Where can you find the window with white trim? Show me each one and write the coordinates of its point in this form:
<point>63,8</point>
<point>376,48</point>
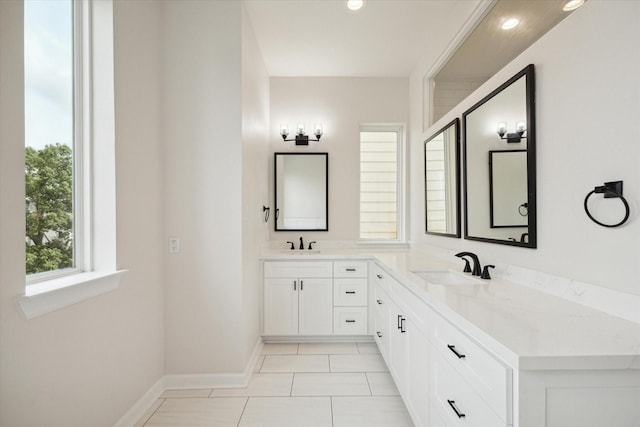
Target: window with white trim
<point>55,196</point>
<point>381,183</point>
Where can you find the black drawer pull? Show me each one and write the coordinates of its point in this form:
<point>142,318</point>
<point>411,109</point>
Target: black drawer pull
<point>402,329</point>
<point>452,403</point>
<point>350,269</point>
<point>350,321</point>
<point>379,334</point>
<point>379,276</point>
<point>379,301</point>
<point>453,348</point>
<point>350,292</point>
<point>399,320</point>
<point>294,284</point>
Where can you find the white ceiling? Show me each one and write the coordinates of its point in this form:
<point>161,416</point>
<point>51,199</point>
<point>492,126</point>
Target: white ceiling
<point>387,38</point>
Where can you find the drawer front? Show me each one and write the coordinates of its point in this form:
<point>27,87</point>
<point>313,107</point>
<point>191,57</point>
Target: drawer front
<point>298,269</point>
<point>350,292</point>
<point>453,401</point>
<point>350,269</point>
<point>486,375</point>
<point>350,320</point>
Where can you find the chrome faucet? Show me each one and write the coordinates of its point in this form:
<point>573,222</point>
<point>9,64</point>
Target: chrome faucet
<point>301,244</point>
<point>477,268</point>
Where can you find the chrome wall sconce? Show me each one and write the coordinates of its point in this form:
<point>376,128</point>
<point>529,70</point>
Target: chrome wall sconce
<point>516,136</point>
<point>301,137</point>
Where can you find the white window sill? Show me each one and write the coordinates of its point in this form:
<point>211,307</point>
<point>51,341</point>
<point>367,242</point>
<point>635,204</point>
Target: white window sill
<point>51,295</point>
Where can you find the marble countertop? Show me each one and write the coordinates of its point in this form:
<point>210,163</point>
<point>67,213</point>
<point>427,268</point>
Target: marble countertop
<point>526,328</point>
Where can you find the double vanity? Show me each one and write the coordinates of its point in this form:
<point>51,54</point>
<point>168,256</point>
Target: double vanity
<point>461,350</point>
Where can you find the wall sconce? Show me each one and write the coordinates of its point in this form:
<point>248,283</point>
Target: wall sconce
<point>301,138</point>
<point>512,137</point>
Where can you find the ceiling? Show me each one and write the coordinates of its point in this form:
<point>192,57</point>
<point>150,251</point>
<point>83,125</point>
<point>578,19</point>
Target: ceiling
<point>389,38</point>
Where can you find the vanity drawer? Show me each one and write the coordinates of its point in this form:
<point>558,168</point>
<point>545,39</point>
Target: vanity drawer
<point>298,269</point>
<point>349,292</point>
<point>350,320</point>
<point>486,375</point>
<point>453,401</point>
<point>350,269</point>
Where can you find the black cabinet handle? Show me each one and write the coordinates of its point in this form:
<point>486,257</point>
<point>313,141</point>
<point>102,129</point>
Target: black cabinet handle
<point>379,334</point>
<point>453,349</point>
<point>402,329</point>
<point>295,283</point>
<point>301,285</point>
<point>350,321</point>
<point>379,301</point>
<point>350,269</point>
<point>350,292</point>
<point>452,403</point>
<point>399,320</point>
<point>379,276</point>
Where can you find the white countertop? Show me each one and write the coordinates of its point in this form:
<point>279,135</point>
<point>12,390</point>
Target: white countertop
<point>526,328</point>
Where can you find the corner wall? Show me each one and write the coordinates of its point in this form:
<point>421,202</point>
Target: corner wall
<point>588,104</point>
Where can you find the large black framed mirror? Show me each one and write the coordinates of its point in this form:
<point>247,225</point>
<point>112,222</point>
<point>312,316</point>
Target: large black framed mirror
<point>442,181</point>
<point>301,189</point>
<point>500,164</point>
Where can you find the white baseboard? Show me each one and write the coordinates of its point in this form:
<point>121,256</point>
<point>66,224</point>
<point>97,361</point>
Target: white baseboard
<point>193,381</point>
<point>136,412</point>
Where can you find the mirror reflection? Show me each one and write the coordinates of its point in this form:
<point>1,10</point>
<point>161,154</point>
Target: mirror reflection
<point>301,190</point>
<point>499,164</point>
<point>442,181</point>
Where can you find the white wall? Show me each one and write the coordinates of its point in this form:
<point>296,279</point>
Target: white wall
<point>588,104</point>
<point>86,364</point>
<point>255,172</point>
<point>341,104</point>
<point>208,193</point>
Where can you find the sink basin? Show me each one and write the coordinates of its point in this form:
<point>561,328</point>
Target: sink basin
<point>301,252</point>
<point>447,277</point>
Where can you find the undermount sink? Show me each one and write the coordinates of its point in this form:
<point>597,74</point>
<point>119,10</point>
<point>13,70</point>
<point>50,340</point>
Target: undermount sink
<point>447,277</point>
<point>301,252</point>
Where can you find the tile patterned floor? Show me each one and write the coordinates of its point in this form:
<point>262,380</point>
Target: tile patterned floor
<point>297,385</point>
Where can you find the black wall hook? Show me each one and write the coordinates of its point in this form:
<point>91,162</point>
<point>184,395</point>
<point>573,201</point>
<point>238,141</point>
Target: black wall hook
<point>610,190</point>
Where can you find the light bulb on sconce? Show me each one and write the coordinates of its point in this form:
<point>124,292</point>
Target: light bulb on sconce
<point>301,138</point>
<point>516,136</point>
<point>284,131</point>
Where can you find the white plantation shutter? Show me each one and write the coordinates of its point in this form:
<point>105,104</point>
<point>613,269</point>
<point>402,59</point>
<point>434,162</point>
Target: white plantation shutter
<point>379,154</point>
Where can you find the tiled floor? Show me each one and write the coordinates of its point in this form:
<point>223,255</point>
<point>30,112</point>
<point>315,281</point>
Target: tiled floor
<point>297,385</point>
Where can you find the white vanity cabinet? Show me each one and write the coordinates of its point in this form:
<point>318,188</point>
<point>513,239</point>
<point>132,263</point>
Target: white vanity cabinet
<point>350,301</point>
<point>402,338</point>
<point>298,298</point>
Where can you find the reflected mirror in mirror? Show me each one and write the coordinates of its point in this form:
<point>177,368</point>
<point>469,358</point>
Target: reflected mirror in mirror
<point>508,191</point>
<point>442,181</point>
<point>301,191</point>
<point>499,164</point>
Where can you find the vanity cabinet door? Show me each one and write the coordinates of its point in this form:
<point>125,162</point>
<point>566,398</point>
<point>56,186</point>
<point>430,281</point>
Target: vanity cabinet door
<point>315,315</point>
<point>417,401</point>
<point>281,306</point>
<point>398,347</point>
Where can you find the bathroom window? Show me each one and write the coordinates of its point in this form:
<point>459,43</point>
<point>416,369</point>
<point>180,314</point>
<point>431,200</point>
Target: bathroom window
<point>381,183</point>
<point>53,138</point>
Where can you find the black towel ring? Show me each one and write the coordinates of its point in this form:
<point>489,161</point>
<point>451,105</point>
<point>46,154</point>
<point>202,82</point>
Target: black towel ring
<point>266,211</point>
<point>610,190</point>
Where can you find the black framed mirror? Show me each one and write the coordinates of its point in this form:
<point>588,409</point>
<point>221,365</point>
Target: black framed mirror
<point>442,181</point>
<point>500,166</point>
<point>301,190</point>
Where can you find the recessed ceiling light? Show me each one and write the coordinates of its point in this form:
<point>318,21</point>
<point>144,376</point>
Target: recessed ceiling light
<point>355,4</point>
<point>572,5</point>
<point>510,23</point>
